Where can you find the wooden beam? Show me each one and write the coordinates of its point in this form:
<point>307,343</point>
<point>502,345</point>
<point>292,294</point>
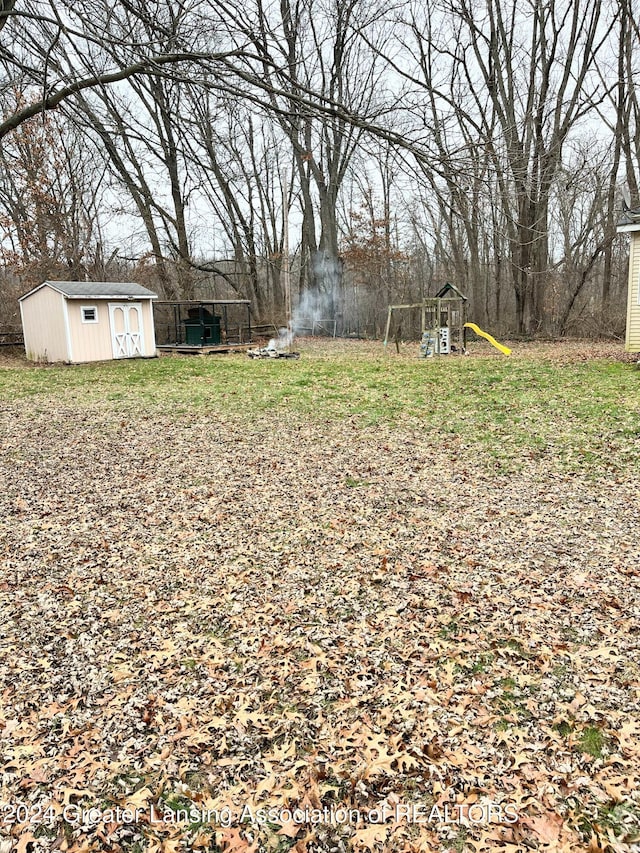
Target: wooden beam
<point>386,333</point>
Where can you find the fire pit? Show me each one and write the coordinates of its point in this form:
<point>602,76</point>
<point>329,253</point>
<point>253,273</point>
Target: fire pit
<point>271,352</point>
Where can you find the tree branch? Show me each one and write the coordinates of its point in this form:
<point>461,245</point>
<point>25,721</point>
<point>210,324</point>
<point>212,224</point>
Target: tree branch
<point>144,66</point>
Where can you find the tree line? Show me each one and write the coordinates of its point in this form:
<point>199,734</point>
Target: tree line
<point>489,144</point>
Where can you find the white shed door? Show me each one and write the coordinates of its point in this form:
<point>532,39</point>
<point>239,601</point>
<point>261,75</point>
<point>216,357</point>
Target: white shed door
<point>126,329</point>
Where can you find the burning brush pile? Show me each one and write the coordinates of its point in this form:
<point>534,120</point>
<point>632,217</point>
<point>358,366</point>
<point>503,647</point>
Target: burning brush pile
<point>279,347</point>
<point>314,305</point>
<point>271,352</point>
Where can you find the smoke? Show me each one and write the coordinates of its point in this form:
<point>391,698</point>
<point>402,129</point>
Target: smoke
<point>283,341</point>
<point>316,304</point>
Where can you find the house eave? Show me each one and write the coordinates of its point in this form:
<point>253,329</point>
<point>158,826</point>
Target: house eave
<point>35,290</point>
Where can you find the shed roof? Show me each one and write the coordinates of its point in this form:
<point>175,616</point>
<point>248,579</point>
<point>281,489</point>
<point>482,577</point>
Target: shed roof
<point>96,290</point>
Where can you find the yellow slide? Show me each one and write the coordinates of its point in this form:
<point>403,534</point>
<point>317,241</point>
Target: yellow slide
<point>490,338</point>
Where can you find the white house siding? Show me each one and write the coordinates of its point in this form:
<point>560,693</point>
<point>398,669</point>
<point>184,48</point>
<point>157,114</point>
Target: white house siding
<point>633,304</point>
<point>43,322</point>
<point>90,341</point>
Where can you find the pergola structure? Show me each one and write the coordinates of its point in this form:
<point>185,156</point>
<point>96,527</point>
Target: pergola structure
<point>203,326</point>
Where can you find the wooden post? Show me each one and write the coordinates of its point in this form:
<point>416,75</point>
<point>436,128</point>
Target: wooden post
<point>397,337</point>
<point>386,334</point>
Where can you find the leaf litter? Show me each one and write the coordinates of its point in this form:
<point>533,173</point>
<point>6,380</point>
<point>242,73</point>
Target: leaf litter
<point>205,614</point>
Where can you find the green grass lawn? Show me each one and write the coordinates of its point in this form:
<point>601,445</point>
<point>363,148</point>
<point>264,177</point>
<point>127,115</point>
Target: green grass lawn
<point>582,414</point>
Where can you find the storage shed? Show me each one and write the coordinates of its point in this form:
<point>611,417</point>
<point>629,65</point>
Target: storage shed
<point>630,223</point>
<point>79,321</point>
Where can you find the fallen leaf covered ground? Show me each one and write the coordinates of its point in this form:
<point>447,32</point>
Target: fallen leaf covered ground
<point>331,622</point>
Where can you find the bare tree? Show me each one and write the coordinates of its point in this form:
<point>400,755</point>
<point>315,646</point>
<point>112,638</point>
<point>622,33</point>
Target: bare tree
<point>51,192</point>
<point>211,101</point>
<point>140,129</point>
<point>240,159</point>
<point>506,86</point>
<point>65,47</point>
<point>319,75</point>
